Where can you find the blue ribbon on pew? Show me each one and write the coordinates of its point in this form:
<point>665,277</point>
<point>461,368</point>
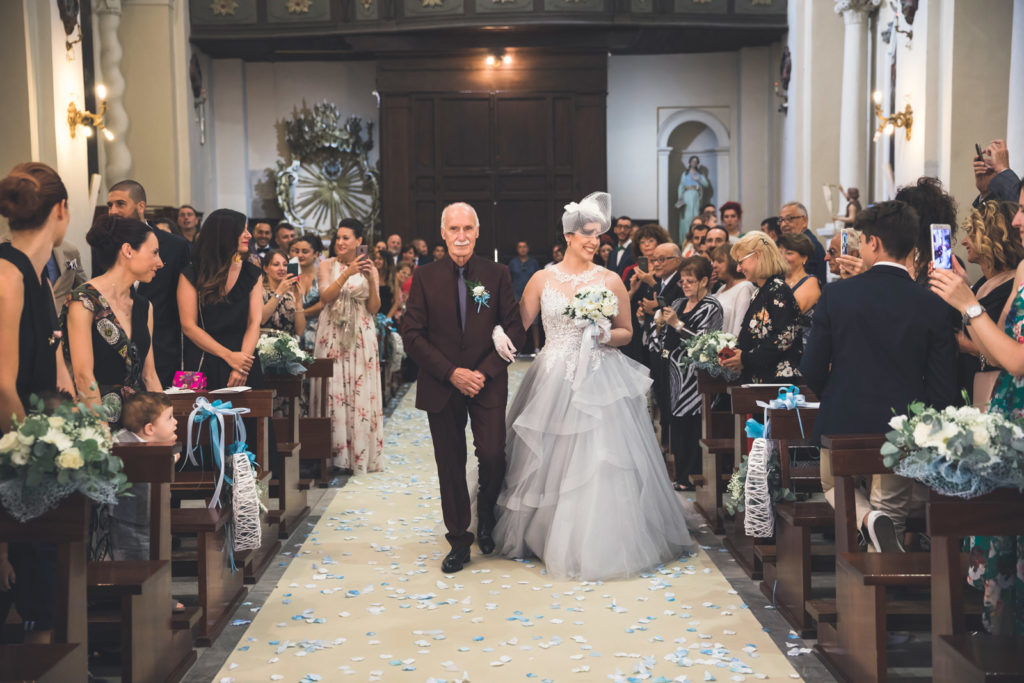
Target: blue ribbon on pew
<point>205,411</point>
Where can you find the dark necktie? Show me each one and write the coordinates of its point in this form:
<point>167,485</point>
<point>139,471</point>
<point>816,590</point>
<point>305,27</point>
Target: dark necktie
<point>52,270</point>
<point>462,297</point>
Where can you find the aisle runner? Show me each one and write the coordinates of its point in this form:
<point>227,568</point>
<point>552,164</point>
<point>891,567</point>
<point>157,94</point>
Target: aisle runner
<point>365,600</point>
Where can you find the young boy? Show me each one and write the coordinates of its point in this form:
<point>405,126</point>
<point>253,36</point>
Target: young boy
<point>147,417</point>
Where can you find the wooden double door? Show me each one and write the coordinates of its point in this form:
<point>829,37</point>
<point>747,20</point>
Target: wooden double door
<point>517,156</point>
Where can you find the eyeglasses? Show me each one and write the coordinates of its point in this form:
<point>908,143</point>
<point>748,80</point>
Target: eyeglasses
<point>790,219</point>
<point>832,252</point>
<point>743,258</point>
<point>662,259</point>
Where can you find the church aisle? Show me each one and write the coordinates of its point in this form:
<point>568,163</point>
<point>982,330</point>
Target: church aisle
<point>365,600</point>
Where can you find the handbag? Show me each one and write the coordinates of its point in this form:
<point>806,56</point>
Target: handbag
<point>185,379</point>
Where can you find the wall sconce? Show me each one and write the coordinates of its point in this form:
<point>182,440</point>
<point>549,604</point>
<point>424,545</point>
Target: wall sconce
<point>889,124</point>
<point>82,117</point>
<point>501,57</point>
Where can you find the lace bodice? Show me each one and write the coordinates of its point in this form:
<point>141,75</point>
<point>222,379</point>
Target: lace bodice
<point>562,336</point>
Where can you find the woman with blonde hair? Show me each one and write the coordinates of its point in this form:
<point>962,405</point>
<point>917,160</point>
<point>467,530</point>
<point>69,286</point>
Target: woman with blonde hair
<point>770,343</point>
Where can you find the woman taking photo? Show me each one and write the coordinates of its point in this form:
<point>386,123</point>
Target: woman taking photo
<point>403,283</point>
<point>735,292</point>
<point>306,248</point>
<point>684,319</point>
<point>220,300</point>
<point>347,334</point>
<point>281,308</point>
<point>770,343</point>
<point>108,326</point>
<point>35,202</point>
<point>796,250</point>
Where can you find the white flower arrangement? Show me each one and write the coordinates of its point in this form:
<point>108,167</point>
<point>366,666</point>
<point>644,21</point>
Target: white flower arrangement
<point>593,304</point>
<point>960,452</point>
<point>703,352</point>
<point>280,352</point>
<point>45,458</point>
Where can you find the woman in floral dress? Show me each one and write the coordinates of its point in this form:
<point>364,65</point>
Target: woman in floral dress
<point>346,332</point>
<point>996,562</point>
<point>770,341</point>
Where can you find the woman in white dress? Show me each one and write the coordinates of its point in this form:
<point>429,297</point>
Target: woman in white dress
<point>586,488</point>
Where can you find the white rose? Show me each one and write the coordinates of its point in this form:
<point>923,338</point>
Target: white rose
<point>608,308</point>
<point>90,433</point>
<point>56,422</point>
<point>71,459</point>
<point>479,290</point>
<point>981,437</point>
<point>58,439</point>
<point>20,457</point>
<point>898,422</point>
<point>10,442</point>
<point>25,439</point>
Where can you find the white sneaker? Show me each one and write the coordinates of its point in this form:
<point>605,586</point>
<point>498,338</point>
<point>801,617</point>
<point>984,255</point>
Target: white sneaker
<point>882,532</point>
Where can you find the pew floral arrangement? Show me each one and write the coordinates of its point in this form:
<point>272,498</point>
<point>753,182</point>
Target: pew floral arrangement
<point>735,494</point>
<point>45,458</point>
<point>280,353</point>
<point>389,342</point>
<point>960,452</point>
<point>705,352</point>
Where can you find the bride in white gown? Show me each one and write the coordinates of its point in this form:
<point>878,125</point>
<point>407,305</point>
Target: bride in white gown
<point>586,489</point>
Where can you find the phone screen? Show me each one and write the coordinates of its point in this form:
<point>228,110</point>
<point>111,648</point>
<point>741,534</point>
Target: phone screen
<point>981,155</point>
<point>942,248</point>
<point>661,302</point>
<point>293,268</point>
<point>844,243</point>
<point>643,264</point>
<point>362,250</point>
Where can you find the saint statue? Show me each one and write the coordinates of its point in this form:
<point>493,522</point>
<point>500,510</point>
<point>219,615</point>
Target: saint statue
<point>693,185</point>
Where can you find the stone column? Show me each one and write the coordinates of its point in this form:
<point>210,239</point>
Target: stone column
<point>855,102</point>
<point>1015,108</point>
<point>118,158</point>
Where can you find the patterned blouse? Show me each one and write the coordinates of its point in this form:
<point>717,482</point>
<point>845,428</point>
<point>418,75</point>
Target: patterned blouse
<point>706,316</point>
<point>283,317</point>
<point>770,338</point>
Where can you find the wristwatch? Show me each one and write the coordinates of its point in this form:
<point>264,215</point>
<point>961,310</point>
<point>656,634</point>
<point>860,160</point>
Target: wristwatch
<point>972,312</point>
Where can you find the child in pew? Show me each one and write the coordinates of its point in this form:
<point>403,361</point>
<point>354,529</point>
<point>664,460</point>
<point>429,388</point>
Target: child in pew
<point>147,417</point>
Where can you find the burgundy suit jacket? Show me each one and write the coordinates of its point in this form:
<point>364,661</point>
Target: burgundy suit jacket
<point>434,339</point>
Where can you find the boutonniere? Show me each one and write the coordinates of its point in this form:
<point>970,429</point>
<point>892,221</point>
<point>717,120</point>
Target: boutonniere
<point>72,264</point>
<point>480,294</point>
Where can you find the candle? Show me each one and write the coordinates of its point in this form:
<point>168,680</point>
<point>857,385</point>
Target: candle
<point>495,254</point>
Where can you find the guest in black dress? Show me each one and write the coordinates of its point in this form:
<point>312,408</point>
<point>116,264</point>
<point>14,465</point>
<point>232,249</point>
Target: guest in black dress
<point>108,325</point>
<point>770,343</point>
<point>220,301</point>
<point>34,200</point>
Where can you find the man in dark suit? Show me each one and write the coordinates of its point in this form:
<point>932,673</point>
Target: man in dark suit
<point>622,254</point>
<point>128,200</point>
<point>878,343</point>
<point>665,267</point>
<point>793,220</point>
<point>447,332</point>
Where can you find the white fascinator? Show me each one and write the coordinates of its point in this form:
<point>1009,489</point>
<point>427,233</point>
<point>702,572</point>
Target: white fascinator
<point>591,216</point>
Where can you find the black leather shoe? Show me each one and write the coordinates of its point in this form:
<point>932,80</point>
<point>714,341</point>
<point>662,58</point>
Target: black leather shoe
<point>454,560</point>
<point>485,539</point>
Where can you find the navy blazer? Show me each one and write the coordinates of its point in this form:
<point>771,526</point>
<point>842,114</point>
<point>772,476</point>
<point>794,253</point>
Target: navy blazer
<point>878,342</point>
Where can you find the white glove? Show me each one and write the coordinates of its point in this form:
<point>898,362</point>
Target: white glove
<point>502,344</point>
<point>604,331</point>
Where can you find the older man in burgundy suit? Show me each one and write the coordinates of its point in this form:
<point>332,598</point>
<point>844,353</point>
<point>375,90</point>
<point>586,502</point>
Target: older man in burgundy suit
<point>454,305</point>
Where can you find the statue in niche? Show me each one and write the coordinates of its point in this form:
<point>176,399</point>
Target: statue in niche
<point>694,186</point>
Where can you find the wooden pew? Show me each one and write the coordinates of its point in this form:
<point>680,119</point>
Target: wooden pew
<point>66,659</point>
<point>141,590</point>
<point>200,484</point>
<point>316,428</point>
<point>717,451</point>
<point>959,656</point>
<point>286,485</point>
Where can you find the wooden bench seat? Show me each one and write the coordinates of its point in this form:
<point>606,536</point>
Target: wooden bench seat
<point>125,577</point>
<point>316,429</point>
<point>978,658</point>
<point>797,558</point>
<point>291,497</point>
<point>716,451</point>
<point>57,663</point>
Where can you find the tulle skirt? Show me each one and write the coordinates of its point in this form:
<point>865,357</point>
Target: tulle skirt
<point>586,488</point>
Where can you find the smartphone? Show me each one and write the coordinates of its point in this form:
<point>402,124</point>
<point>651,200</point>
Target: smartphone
<point>942,248</point>
<point>643,264</point>
<point>661,302</point>
<point>981,155</point>
<point>362,250</point>
<point>293,268</point>
<point>844,243</point>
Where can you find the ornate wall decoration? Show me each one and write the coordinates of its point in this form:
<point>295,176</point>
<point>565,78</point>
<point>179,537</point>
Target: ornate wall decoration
<point>298,6</point>
<point>432,3</point>
<point>223,8</point>
<point>329,176</point>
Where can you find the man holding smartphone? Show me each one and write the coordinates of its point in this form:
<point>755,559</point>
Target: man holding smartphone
<point>992,174</point>
<point>878,342</point>
<point>664,266</point>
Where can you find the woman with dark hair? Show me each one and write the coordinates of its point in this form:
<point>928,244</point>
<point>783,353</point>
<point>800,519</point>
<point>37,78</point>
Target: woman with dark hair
<point>933,205</point>
<point>35,202</point>
<point>796,249</point>
<point>735,293</point>
<point>107,324</point>
<point>220,300</point>
<point>306,248</point>
<point>347,334</point>
<point>698,312</point>
<point>282,311</point>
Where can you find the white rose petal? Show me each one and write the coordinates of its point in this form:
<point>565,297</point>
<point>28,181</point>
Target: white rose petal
<point>898,422</point>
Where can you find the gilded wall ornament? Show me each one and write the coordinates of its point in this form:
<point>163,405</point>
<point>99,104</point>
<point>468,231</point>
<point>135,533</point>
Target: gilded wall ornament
<point>223,8</point>
<point>298,6</point>
<point>367,4</point>
<point>329,176</point>
<point>432,3</point>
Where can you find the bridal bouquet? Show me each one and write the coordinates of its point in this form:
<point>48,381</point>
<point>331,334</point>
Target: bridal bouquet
<point>960,452</point>
<point>593,306</point>
<point>280,352</point>
<point>45,458</point>
<point>705,352</point>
